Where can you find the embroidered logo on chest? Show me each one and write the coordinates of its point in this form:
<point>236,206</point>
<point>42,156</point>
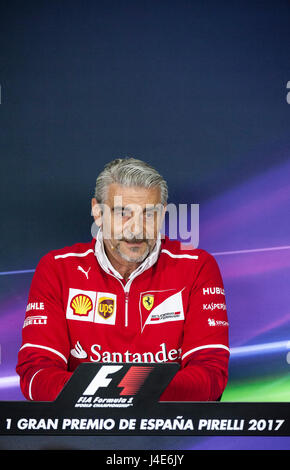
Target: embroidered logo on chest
<point>90,306</point>
<point>148,301</point>
<point>163,306</point>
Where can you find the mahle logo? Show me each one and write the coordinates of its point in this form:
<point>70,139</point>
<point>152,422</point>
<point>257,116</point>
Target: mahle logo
<point>121,396</point>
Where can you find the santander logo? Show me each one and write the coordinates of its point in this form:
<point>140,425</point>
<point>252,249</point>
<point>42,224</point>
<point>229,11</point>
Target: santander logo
<point>98,355</point>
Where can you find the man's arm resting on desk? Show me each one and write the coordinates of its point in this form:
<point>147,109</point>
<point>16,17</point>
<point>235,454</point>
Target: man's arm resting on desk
<point>203,378</point>
<point>44,379</point>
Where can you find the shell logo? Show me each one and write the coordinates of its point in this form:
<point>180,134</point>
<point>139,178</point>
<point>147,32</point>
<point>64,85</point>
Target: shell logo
<point>81,304</point>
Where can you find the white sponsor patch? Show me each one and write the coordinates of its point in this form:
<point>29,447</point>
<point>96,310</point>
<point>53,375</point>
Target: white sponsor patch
<point>81,305</point>
<point>90,306</point>
<point>171,309</point>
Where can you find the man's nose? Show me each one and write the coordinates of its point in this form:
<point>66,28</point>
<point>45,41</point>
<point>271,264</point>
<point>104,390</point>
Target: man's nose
<point>136,226</point>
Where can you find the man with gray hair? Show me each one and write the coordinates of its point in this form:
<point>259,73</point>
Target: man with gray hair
<point>129,295</point>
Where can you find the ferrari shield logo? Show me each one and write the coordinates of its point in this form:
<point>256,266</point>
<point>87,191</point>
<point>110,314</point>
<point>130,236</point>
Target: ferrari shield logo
<point>148,301</point>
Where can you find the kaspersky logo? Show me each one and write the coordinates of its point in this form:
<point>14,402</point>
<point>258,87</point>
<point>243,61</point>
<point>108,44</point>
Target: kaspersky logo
<point>121,394</point>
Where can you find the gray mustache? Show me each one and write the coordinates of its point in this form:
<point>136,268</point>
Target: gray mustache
<point>134,240</point>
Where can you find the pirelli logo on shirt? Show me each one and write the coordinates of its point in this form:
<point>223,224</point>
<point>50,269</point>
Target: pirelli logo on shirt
<point>90,306</point>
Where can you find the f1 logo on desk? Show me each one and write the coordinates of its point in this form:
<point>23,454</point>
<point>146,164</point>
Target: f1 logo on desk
<point>122,395</point>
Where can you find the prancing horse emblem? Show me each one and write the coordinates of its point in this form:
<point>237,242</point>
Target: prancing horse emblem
<point>148,301</point>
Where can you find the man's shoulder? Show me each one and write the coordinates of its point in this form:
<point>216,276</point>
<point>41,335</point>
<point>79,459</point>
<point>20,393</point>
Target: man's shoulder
<point>77,250</point>
<point>178,250</point>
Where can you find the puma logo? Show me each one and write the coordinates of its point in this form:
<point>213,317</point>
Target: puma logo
<point>86,273</point>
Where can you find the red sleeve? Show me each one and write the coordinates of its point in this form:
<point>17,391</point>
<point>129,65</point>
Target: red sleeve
<point>205,350</point>
<point>203,378</point>
<point>43,356</point>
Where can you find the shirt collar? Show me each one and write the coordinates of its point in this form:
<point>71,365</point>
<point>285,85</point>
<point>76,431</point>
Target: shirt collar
<point>107,266</point>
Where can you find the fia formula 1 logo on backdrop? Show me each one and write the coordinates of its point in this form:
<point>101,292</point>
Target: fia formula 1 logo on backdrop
<point>104,392</point>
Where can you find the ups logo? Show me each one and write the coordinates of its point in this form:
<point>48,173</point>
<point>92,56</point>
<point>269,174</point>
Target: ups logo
<point>106,307</point>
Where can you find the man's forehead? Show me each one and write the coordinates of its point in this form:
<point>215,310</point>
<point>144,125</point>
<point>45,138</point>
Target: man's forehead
<point>118,195</point>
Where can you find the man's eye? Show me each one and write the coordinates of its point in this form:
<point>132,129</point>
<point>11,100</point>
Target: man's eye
<point>122,212</point>
<point>126,213</point>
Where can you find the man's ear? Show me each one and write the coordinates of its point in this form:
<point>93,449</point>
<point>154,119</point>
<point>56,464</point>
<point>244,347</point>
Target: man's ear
<point>97,212</point>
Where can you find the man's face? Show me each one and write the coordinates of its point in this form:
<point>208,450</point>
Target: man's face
<point>132,218</point>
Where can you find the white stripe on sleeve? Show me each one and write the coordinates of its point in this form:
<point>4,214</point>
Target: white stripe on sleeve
<point>30,345</point>
<point>206,346</point>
